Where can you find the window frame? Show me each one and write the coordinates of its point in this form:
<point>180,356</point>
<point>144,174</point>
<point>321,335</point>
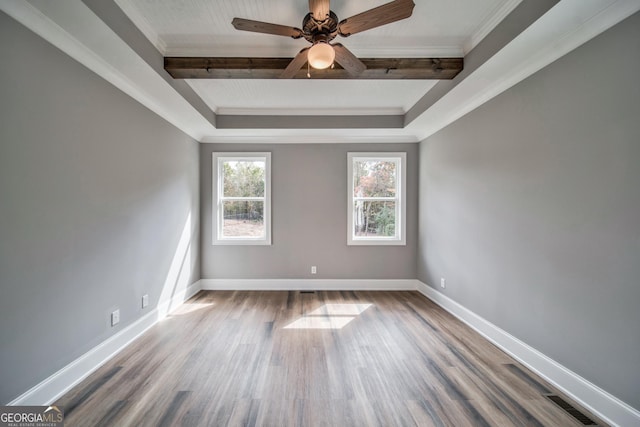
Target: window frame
<point>218,197</point>
<point>400,199</point>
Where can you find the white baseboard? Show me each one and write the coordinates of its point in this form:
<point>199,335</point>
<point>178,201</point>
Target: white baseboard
<point>52,388</point>
<point>599,402</point>
<point>307,284</point>
<point>602,404</point>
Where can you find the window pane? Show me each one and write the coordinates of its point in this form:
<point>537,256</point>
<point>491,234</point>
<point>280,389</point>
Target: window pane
<point>374,219</point>
<point>243,219</point>
<point>374,178</point>
<point>243,178</point>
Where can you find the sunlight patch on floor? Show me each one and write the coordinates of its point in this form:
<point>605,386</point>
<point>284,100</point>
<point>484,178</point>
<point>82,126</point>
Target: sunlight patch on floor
<point>340,310</point>
<point>329,316</point>
<point>187,308</point>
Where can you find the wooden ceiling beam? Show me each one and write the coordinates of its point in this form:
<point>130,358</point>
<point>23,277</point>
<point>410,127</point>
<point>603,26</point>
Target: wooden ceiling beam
<point>272,68</point>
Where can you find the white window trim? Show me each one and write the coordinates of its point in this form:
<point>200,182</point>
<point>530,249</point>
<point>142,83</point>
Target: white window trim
<point>216,207</point>
<point>400,238</point>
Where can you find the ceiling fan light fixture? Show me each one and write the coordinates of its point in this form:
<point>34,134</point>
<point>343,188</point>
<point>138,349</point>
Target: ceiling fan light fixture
<point>321,55</point>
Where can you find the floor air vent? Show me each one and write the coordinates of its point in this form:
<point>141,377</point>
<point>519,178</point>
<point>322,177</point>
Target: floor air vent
<point>566,406</point>
<point>307,292</point>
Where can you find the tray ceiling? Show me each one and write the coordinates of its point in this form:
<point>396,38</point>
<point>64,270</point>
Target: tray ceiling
<point>203,27</point>
<point>502,41</point>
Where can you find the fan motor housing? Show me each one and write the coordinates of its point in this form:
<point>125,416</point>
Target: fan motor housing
<point>314,30</point>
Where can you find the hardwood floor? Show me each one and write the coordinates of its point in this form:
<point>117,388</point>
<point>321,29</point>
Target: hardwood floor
<point>327,358</point>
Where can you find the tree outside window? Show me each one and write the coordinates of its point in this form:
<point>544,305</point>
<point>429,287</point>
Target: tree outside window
<point>376,198</point>
<point>242,202</point>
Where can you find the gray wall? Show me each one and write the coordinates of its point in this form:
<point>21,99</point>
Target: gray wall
<point>530,207</point>
<point>309,223</point>
<point>95,192</point>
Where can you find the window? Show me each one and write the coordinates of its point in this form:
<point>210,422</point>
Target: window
<point>242,198</point>
<point>376,209</point>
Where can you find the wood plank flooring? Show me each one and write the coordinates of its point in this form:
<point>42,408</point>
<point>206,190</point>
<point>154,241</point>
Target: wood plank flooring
<point>329,358</point>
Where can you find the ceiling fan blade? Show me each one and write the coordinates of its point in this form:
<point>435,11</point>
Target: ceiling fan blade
<point>319,9</point>
<point>266,28</point>
<point>381,15</point>
<point>348,60</point>
<point>295,64</point>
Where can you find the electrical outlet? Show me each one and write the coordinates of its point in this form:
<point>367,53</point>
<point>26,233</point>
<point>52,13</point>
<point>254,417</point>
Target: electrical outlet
<point>145,300</point>
<point>443,283</point>
<point>314,270</point>
<point>115,317</point>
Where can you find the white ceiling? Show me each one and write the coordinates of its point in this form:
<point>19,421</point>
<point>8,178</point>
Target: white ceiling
<point>297,97</point>
<point>128,53</point>
<point>203,28</point>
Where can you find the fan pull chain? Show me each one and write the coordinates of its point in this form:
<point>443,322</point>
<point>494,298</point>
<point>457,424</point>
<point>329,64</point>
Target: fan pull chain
<point>308,73</point>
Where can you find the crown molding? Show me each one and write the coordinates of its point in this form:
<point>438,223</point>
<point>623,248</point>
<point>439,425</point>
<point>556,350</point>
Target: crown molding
<point>310,138</point>
<point>78,32</point>
<point>569,24</point>
<point>309,111</point>
<point>143,25</point>
<point>495,18</point>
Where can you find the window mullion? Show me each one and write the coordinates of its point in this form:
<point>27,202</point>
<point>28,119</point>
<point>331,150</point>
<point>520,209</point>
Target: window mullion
<point>375,199</point>
<point>242,199</point>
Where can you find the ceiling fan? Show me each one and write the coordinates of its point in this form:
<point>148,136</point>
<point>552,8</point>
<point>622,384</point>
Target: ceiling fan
<point>321,26</point>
